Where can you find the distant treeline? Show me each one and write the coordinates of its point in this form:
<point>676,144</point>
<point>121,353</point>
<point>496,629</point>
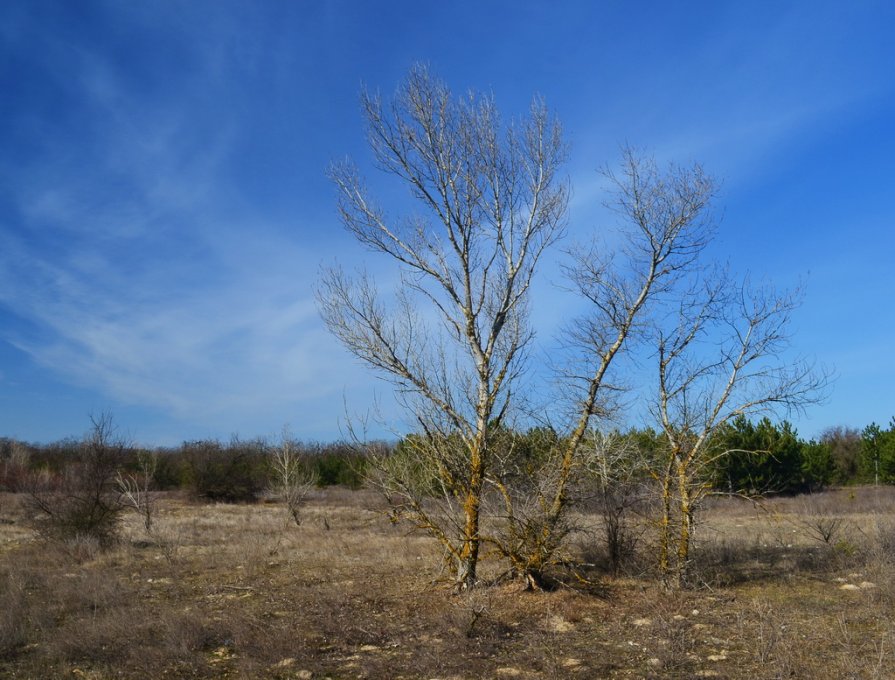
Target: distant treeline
<point>234,471</point>
<point>768,456</point>
<point>747,457</point>
<point>753,457</point>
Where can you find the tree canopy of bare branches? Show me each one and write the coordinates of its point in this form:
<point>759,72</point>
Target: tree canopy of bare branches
<point>665,224</point>
<point>453,339</point>
<point>720,354</point>
<point>490,203</point>
<point>719,345</point>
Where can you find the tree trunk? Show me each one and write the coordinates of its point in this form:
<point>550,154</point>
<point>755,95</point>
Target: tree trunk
<point>469,553</point>
<point>665,530</point>
<point>686,528</point>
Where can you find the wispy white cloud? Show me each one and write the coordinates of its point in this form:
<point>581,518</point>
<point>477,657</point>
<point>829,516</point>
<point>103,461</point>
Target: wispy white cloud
<point>140,273</point>
<point>249,340</point>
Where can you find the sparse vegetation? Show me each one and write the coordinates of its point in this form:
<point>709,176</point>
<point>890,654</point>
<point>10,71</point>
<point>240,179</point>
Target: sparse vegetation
<point>220,589</point>
<point>242,598</point>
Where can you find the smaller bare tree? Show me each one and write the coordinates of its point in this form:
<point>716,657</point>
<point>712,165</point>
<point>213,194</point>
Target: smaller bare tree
<point>292,480</point>
<point>618,468</point>
<point>721,354</point>
<point>136,488</point>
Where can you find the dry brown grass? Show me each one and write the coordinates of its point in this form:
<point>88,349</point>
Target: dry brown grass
<point>240,591</point>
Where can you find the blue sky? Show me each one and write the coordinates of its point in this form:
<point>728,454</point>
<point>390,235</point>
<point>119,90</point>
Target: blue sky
<point>164,210</point>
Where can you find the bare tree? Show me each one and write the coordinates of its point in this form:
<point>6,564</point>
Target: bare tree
<point>665,224</point>
<point>720,354</point>
<point>454,340</point>
<point>136,488</point>
<point>619,469</point>
<point>291,480</point>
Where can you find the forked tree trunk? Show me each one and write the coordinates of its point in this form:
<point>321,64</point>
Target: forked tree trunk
<point>469,552</point>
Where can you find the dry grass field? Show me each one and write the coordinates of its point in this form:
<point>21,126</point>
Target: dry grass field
<point>794,588</point>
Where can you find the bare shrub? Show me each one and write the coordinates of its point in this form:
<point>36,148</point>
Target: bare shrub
<point>881,541</point>
<point>823,528</point>
<point>763,625</point>
<point>81,501</point>
<point>81,547</point>
<point>674,634</point>
<point>184,633</point>
<point>14,459</point>
<point>820,522</point>
<point>171,540</point>
<point>472,608</point>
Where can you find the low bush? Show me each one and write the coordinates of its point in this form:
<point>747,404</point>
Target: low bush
<point>236,473</point>
<point>81,500</point>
